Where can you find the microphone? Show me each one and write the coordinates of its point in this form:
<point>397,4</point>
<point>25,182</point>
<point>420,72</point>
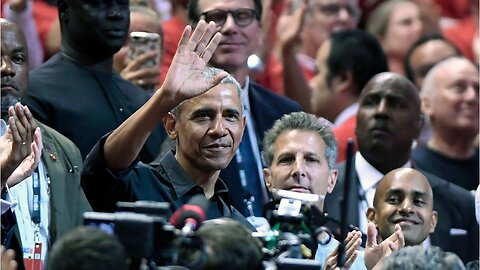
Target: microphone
<point>189,217</point>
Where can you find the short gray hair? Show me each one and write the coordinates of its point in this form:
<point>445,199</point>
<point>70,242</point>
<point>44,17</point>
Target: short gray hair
<point>209,74</point>
<point>301,121</point>
<point>417,258</point>
<point>430,82</point>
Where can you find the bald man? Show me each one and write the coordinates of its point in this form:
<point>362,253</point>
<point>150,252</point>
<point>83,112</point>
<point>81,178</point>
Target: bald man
<point>388,120</point>
<point>404,197</point>
<point>450,100</point>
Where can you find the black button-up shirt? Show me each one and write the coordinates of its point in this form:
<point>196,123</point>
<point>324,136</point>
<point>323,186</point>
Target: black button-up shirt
<point>162,182</point>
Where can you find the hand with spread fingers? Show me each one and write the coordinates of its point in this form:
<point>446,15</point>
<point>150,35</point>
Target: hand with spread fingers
<point>184,78</point>
<point>28,165</point>
<point>290,24</point>
<point>15,144</point>
<point>352,242</point>
<point>374,252</point>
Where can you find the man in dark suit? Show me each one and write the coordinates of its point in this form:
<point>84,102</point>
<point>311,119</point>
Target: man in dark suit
<point>60,197</point>
<point>239,23</point>
<point>388,121</point>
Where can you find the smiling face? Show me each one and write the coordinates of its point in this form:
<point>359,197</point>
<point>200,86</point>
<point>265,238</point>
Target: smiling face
<point>208,129</point>
<point>453,103</point>
<point>238,42</point>
<point>14,65</point>
<point>404,197</point>
<point>299,164</point>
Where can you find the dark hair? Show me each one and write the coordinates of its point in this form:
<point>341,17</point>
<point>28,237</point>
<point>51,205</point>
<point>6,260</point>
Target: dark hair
<point>424,39</point>
<point>87,248</point>
<point>358,52</point>
<point>194,11</point>
<point>230,245</point>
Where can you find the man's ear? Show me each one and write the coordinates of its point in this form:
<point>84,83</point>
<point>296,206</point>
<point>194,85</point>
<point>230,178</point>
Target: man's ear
<point>433,223</point>
<point>267,174</point>
<point>332,180</point>
<point>371,215</point>
<point>344,83</point>
<point>426,105</point>
<point>170,122</point>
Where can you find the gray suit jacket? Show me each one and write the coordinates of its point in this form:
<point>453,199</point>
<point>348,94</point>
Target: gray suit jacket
<point>64,165</point>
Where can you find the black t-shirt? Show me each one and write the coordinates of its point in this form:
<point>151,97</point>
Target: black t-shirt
<point>462,172</point>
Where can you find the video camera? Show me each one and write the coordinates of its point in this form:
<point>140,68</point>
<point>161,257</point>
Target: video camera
<point>150,238</point>
<point>295,223</point>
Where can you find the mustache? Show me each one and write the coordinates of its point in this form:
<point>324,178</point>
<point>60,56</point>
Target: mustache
<point>9,81</point>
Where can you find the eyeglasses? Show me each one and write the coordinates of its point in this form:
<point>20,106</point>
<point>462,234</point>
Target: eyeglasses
<point>241,16</point>
<point>334,10</point>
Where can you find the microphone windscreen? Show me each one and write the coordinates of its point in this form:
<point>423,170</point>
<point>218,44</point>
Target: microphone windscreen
<point>195,210</point>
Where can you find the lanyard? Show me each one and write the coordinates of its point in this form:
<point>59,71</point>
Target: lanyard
<point>36,197</point>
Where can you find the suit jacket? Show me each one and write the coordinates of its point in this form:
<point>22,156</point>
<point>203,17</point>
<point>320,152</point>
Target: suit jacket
<point>265,108</point>
<point>455,207</point>
<point>64,165</point>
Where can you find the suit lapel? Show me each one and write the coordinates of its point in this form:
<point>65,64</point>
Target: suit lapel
<point>50,158</point>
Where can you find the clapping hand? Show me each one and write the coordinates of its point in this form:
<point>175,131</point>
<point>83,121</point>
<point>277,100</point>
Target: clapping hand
<point>352,242</point>
<point>16,143</point>
<point>374,252</point>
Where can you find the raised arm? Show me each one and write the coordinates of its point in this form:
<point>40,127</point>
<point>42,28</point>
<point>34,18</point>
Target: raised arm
<point>290,25</point>
<point>16,143</point>
<point>183,81</point>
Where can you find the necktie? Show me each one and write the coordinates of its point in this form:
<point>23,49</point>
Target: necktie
<point>252,180</point>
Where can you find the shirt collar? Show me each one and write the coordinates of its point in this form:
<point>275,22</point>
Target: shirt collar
<point>246,101</point>
<point>368,175</point>
<point>182,184</point>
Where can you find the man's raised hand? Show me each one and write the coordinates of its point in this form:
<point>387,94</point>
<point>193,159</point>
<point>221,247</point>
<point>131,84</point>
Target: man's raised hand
<point>184,78</point>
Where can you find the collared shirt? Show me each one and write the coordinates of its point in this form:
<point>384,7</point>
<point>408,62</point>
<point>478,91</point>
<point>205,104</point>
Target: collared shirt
<point>23,193</point>
<point>346,114</point>
<point>181,188</point>
<point>166,181</point>
<point>369,177</point>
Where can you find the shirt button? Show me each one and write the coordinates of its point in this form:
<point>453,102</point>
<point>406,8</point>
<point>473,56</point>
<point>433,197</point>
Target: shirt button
<point>121,109</point>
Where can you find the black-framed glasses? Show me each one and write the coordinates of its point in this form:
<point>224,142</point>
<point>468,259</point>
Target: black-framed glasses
<point>241,16</point>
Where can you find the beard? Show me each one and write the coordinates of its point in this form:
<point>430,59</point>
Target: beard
<point>8,101</point>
